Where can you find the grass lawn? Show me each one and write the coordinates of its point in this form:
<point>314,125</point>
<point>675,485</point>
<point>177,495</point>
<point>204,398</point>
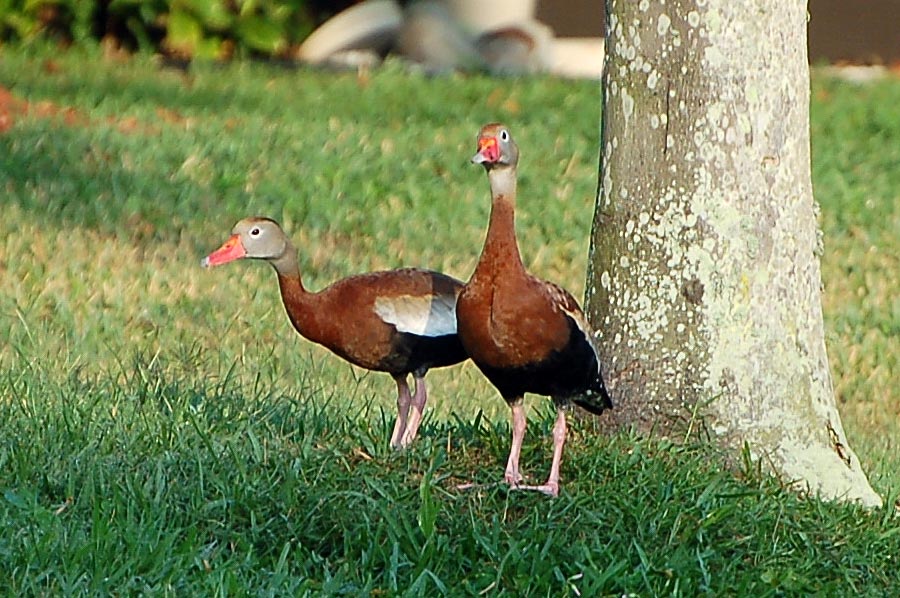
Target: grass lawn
<point>165,432</point>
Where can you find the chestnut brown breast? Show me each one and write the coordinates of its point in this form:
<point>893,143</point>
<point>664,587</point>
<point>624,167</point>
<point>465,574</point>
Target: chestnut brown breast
<point>510,322</point>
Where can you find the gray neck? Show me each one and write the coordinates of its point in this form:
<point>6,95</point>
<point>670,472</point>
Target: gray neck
<point>286,264</point>
<point>503,182</point>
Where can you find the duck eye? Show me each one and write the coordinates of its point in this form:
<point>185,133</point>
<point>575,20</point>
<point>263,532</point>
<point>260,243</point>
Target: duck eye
<point>504,135</point>
<point>254,232</point>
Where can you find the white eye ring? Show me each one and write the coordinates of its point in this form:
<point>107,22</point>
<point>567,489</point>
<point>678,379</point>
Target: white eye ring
<point>504,135</point>
<point>254,232</point>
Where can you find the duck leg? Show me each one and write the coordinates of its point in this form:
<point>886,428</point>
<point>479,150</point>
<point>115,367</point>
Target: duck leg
<point>403,401</point>
<point>551,487</point>
<point>418,408</point>
<point>513,477</point>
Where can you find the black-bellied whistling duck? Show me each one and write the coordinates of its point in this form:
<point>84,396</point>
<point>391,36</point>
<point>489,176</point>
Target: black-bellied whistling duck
<point>398,321</point>
<point>523,333</point>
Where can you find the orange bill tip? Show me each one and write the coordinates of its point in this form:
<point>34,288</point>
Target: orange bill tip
<point>486,142</point>
<point>231,250</point>
<point>488,151</point>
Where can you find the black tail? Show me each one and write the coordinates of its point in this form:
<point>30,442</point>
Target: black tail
<point>596,398</point>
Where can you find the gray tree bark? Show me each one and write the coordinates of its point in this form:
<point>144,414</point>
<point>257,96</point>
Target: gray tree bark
<point>704,271</point>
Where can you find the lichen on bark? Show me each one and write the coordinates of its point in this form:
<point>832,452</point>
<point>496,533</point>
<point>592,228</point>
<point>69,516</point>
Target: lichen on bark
<point>704,278</point>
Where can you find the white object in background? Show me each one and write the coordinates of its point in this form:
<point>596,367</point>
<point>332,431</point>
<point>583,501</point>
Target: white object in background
<point>370,25</point>
<point>578,57</point>
<point>480,16</point>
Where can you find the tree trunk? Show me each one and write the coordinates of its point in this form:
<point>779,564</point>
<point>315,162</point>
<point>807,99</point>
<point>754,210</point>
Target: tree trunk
<point>704,271</point>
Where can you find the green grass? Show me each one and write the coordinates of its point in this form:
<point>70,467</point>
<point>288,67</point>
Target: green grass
<point>165,432</point>
<point>857,182</point>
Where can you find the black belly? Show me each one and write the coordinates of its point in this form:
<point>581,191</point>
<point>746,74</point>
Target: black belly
<point>413,353</point>
<point>572,373</point>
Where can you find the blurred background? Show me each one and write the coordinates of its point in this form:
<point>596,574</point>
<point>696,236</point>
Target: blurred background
<point>863,32</point>
<point>501,36</point>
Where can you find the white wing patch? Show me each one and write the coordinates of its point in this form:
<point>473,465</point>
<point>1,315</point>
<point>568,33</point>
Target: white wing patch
<point>431,315</point>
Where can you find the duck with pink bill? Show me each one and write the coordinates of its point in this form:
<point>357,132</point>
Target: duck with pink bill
<point>400,321</point>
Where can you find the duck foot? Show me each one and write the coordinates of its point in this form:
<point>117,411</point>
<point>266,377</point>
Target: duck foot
<point>474,486</point>
<point>550,489</point>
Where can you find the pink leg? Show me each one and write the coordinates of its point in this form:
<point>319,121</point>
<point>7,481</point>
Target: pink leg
<point>418,405</point>
<point>513,477</point>
<point>403,400</point>
<point>551,488</point>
